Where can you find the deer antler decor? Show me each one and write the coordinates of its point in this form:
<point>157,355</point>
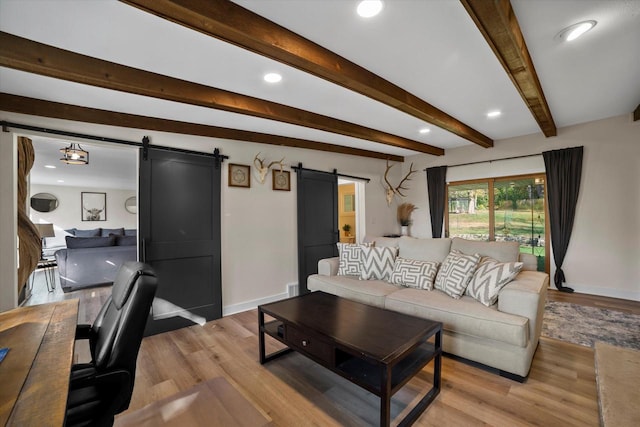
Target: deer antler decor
<point>390,189</point>
<point>262,169</point>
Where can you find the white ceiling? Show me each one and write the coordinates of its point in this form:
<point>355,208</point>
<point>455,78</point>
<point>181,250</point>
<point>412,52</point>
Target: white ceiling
<point>429,48</point>
<point>110,166</point>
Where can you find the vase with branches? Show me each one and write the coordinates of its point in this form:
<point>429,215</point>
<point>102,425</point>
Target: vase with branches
<point>404,216</point>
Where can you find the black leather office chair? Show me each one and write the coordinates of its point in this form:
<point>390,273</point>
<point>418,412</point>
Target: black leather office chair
<point>103,388</point>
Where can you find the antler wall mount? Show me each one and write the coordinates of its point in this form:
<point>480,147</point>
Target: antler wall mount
<point>390,190</point>
<point>262,170</point>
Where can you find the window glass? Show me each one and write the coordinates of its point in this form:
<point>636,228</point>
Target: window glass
<point>504,209</point>
<point>520,215</point>
<point>469,211</point>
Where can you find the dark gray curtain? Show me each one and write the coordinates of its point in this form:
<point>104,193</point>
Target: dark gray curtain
<point>564,169</point>
<point>436,187</point>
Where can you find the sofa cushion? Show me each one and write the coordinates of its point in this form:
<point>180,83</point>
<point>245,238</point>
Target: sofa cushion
<point>372,292</point>
<point>424,249</point>
<point>464,316</point>
<point>414,273</point>
<point>456,272</point>
<point>377,263</point>
<point>130,232</point>
<point>501,251</point>
<point>109,231</point>
<point>350,258</point>
<point>94,232</point>
<point>490,277</point>
<point>89,242</point>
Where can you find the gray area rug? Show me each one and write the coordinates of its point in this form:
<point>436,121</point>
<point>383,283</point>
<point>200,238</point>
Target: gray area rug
<point>584,325</point>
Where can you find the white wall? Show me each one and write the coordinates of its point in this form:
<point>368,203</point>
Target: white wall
<point>68,213</point>
<point>259,228</point>
<point>603,257</point>
<point>259,241</point>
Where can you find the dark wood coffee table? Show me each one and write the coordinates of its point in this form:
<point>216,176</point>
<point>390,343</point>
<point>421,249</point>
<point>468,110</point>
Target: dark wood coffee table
<point>379,350</point>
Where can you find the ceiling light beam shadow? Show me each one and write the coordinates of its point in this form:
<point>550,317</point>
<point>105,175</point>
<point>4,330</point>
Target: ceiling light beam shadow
<point>34,57</point>
<point>234,24</point>
<point>57,110</point>
<point>498,24</point>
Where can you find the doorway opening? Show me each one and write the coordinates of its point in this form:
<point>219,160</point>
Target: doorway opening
<point>108,185</point>
<point>351,223</point>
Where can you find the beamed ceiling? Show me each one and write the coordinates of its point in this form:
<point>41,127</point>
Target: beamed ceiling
<point>350,85</point>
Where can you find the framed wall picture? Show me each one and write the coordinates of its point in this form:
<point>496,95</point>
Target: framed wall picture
<point>93,206</point>
<point>239,175</point>
<point>281,180</point>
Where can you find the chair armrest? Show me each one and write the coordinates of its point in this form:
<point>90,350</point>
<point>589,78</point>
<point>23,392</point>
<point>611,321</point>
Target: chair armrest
<point>84,375</point>
<point>328,266</point>
<point>83,332</point>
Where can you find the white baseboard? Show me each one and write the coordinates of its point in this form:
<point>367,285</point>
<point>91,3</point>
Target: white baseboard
<point>250,305</point>
<point>604,292</point>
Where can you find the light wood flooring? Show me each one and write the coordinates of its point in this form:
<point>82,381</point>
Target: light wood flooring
<point>294,391</point>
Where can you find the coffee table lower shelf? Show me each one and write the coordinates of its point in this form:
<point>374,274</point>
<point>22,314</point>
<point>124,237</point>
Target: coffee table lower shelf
<point>377,377</point>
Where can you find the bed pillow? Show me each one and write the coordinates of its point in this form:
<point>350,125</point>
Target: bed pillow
<point>95,232</point>
<point>130,231</point>
<point>89,242</point>
<point>350,258</point>
<point>126,240</point>
<point>115,231</point>
<point>490,277</point>
<point>455,273</point>
<point>413,273</point>
<point>378,263</point>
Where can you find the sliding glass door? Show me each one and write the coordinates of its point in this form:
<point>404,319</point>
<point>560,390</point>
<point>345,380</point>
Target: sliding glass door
<point>502,209</point>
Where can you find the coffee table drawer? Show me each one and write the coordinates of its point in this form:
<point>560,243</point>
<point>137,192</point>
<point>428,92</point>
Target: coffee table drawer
<point>309,344</point>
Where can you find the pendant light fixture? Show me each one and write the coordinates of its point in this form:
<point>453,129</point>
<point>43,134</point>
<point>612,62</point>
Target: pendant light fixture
<point>74,155</point>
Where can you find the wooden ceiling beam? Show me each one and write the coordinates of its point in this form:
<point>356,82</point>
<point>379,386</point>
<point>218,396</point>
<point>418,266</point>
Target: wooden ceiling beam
<point>34,57</point>
<point>234,24</point>
<point>498,24</point>
<point>57,110</point>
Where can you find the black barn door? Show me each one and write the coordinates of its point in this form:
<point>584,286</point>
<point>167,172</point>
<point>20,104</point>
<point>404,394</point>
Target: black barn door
<point>317,221</point>
<point>180,236</point>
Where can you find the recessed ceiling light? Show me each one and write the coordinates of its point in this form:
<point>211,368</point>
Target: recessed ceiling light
<point>61,180</point>
<point>493,114</point>
<point>424,130</point>
<point>272,77</point>
<point>49,166</point>
<point>576,30</point>
<point>369,8</point>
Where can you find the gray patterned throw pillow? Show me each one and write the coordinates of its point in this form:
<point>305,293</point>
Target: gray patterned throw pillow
<point>456,272</point>
<point>414,273</point>
<point>377,263</point>
<point>490,277</point>
<point>350,258</point>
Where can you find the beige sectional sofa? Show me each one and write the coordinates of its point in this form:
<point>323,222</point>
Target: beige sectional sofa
<point>503,336</point>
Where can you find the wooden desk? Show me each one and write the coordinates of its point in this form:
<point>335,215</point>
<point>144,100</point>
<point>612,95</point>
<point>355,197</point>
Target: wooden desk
<point>34,376</point>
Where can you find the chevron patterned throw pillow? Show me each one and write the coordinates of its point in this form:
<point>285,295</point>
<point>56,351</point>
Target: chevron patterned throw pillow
<point>455,273</point>
<point>350,258</point>
<point>414,273</point>
<point>377,263</point>
<point>490,277</point>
